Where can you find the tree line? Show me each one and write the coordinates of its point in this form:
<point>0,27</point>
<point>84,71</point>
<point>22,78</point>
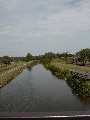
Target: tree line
<point>81,56</point>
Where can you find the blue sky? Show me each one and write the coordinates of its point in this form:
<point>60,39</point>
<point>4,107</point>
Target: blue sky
<point>39,26</point>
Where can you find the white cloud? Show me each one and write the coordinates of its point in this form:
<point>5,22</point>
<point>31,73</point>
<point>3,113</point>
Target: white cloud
<point>53,20</point>
<point>9,4</point>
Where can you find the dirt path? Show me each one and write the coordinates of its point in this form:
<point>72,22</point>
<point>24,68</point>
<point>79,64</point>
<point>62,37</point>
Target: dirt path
<point>11,70</point>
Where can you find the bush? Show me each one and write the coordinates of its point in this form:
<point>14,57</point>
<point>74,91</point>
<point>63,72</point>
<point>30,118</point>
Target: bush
<point>6,60</point>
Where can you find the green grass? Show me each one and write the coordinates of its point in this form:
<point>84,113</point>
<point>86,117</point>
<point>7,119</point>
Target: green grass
<point>5,68</point>
<point>71,67</point>
<point>78,85</point>
<point>9,72</point>
<point>6,78</point>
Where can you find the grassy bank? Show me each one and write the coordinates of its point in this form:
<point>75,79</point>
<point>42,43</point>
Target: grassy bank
<point>71,67</point>
<point>59,72</point>
<point>63,71</point>
<point>11,72</point>
<point>80,86</point>
<point>5,68</point>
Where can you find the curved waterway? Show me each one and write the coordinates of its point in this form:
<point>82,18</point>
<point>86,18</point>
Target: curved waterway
<point>37,90</point>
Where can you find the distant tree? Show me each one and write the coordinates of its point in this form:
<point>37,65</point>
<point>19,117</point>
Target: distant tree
<point>84,54</point>
<point>65,55</point>
<point>59,55</point>
<point>45,60</point>
<point>49,55</point>
<point>29,57</point>
<point>6,60</point>
<point>37,57</point>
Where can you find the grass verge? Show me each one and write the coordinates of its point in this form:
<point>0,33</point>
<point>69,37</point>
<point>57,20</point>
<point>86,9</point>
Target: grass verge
<point>10,74</point>
<point>63,71</point>
<point>71,67</point>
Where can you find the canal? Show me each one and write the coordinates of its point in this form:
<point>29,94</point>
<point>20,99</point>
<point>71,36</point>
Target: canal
<point>37,90</point>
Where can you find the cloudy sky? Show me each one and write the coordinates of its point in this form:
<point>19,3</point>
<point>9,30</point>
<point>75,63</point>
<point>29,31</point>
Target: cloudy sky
<point>39,26</point>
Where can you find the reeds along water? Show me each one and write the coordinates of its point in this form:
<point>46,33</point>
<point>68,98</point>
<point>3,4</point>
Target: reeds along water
<point>77,84</point>
<point>60,73</point>
<point>80,85</point>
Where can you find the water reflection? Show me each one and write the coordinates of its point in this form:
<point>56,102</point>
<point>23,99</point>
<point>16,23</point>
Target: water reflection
<point>32,65</point>
<point>37,90</point>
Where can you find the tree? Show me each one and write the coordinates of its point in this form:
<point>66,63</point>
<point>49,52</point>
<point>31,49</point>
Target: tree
<point>84,54</point>
<point>49,55</point>
<point>29,57</point>
<point>46,60</point>
<point>65,55</point>
<point>6,60</point>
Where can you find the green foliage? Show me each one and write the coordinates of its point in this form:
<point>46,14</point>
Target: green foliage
<point>84,54</point>
<point>29,57</point>
<point>45,60</point>
<point>60,73</point>
<point>17,59</point>
<point>37,57</point>
<point>47,57</point>
<point>63,55</point>
<point>6,60</point>
<point>80,86</point>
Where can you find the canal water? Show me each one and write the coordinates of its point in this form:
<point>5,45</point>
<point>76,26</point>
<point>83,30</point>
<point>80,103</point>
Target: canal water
<point>37,90</point>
